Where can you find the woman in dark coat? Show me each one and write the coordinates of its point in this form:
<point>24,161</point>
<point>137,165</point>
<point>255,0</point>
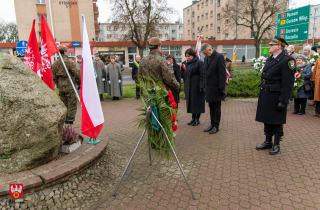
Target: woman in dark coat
<point>301,100</point>
<point>195,93</point>
<point>176,68</point>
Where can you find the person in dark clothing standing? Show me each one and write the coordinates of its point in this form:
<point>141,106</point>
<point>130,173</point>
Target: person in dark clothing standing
<point>195,92</point>
<point>184,77</point>
<point>277,80</point>
<point>134,73</point>
<point>176,68</point>
<point>215,71</point>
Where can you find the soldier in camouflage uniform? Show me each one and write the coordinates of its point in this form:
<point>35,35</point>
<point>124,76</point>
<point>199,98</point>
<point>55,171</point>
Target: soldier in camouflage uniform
<point>157,67</point>
<point>61,79</point>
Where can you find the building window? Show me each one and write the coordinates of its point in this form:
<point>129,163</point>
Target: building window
<point>188,11</point>
<point>173,31</point>
<point>108,28</point>
<point>198,28</point>
<point>219,2</point>
<point>123,28</point>
<point>211,26</point>
<point>188,22</point>
<point>180,28</point>
<point>206,15</point>
<point>192,24</point>
<point>160,36</point>
<point>188,32</point>
<point>116,36</point>
<point>202,17</point>
<point>211,1</point>
<point>180,35</point>
<point>166,27</point>
<point>160,27</point>
<point>207,2</point>
<point>40,1</point>
<point>227,22</point>
<point>192,14</point>
<point>39,18</point>
<point>100,40</point>
<point>252,34</point>
<point>227,36</point>
<point>219,16</point>
<point>315,10</point>
<point>218,29</point>
<point>253,21</point>
<point>173,39</point>
<point>109,36</point>
<point>211,13</point>
<point>255,5</point>
<point>123,36</point>
<point>198,6</point>
<point>198,18</point>
<point>227,7</point>
<point>166,36</point>
<point>206,27</point>
<point>116,28</point>
<point>202,5</point>
<point>193,35</point>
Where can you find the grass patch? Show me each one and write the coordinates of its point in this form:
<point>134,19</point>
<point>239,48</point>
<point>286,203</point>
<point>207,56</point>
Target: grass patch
<point>129,91</point>
<point>243,67</point>
<point>126,72</point>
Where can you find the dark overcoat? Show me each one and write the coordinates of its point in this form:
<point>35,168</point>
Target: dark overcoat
<point>134,72</point>
<point>184,76</point>
<point>195,99</point>
<point>281,69</point>
<point>306,73</point>
<point>177,74</point>
<point>215,70</point>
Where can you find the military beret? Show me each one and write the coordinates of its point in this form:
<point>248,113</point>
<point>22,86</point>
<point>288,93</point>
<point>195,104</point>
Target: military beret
<point>62,47</point>
<point>278,40</point>
<point>301,56</point>
<point>155,41</point>
<point>96,55</point>
<point>112,56</point>
<point>79,56</point>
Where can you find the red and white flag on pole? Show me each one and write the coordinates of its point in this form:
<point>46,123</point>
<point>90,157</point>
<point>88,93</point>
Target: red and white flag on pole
<point>32,57</point>
<point>48,48</point>
<point>92,116</point>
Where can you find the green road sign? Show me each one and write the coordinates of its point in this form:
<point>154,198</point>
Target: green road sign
<point>293,25</point>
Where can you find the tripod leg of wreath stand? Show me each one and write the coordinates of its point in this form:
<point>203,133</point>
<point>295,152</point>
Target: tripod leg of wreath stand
<point>115,191</point>
<point>147,128</point>
<point>185,178</point>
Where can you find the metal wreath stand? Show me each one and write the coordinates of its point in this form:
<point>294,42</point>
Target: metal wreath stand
<point>149,110</point>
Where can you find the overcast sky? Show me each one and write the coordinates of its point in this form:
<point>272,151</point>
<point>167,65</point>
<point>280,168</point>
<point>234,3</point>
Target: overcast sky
<point>7,12</point>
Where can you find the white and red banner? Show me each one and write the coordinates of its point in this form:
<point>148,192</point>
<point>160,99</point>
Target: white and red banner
<point>48,48</point>
<point>92,115</point>
<point>198,48</point>
<point>297,75</point>
<point>32,57</point>
<point>228,76</point>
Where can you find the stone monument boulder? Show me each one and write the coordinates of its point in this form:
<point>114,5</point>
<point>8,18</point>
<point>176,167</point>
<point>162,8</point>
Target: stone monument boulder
<point>31,118</point>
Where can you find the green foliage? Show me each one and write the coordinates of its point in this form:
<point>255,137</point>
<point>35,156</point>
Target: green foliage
<point>159,96</point>
<point>297,84</point>
<point>244,84</point>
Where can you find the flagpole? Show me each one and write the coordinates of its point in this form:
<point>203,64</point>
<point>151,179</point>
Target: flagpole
<point>69,76</point>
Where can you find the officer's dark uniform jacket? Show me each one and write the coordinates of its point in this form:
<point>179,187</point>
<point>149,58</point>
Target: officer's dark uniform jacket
<point>277,82</point>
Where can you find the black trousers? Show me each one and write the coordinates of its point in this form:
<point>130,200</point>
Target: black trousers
<point>137,90</point>
<point>317,107</point>
<point>300,105</point>
<point>215,113</point>
<point>276,130</point>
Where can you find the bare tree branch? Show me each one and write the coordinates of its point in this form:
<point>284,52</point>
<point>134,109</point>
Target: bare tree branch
<point>8,32</point>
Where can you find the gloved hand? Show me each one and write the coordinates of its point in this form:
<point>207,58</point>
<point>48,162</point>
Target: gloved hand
<point>119,80</point>
<point>103,79</point>
<point>281,106</point>
<point>222,92</point>
<point>201,90</point>
<point>109,81</point>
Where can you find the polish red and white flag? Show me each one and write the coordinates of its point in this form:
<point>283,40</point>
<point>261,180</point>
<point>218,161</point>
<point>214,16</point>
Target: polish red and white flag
<point>92,115</point>
<point>32,57</point>
<point>48,49</point>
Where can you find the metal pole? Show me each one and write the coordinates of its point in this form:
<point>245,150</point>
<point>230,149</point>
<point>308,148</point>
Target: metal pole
<point>55,55</point>
<point>185,178</point>
<point>314,25</point>
<point>235,24</point>
<point>69,77</point>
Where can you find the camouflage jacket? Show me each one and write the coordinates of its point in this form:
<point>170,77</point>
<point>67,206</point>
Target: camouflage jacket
<point>59,74</point>
<point>158,68</point>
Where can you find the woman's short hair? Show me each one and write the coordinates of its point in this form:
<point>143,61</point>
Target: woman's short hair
<point>173,58</point>
<point>191,52</point>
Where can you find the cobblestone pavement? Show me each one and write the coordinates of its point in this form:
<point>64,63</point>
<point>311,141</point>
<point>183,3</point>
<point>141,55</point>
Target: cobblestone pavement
<point>224,170</point>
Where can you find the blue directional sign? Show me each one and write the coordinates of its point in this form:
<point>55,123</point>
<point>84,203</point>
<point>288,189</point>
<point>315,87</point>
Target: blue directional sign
<point>21,47</point>
<point>76,44</point>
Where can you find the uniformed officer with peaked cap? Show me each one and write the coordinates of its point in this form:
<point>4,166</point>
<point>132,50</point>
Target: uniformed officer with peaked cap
<point>277,82</point>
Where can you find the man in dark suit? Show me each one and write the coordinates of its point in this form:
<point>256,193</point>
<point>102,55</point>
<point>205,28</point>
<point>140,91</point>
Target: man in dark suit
<point>277,82</point>
<point>134,73</point>
<point>215,74</point>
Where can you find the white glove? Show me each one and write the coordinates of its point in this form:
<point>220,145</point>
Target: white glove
<point>119,80</point>
<point>109,82</point>
<point>103,79</point>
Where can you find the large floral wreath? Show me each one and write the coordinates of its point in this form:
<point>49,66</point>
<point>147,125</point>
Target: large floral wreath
<point>298,82</point>
<point>155,94</point>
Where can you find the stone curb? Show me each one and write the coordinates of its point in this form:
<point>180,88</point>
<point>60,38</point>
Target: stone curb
<point>55,172</point>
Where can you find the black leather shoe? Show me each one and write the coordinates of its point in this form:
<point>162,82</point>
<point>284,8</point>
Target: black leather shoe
<point>208,129</point>
<point>101,99</point>
<point>68,122</point>
<point>267,144</point>
<point>300,113</point>
<point>295,112</point>
<point>137,97</point>
<point>196,122</point>
<point>191,122</point>
<point>276,146</point>
<point>184,98</point>
<point>214,130</point>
